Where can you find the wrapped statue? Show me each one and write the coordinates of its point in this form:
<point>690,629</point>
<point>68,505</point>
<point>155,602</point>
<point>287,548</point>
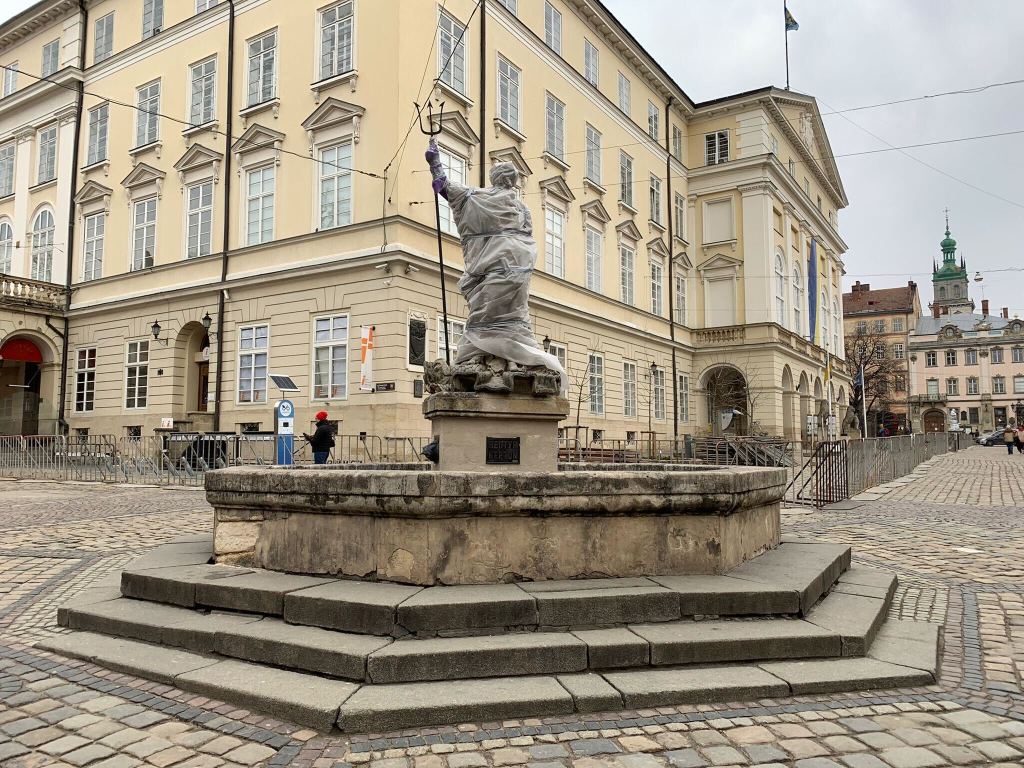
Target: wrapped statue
<point>497,351</point>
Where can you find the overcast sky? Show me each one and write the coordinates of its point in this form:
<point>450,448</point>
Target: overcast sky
<point>850,53</point>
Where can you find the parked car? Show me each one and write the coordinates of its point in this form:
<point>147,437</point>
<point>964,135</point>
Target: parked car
<point>991,438</point>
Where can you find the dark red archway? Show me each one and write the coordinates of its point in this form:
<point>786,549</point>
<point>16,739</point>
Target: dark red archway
<point>21,350</point>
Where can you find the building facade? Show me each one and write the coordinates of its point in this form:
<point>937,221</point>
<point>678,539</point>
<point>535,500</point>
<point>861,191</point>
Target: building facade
<point>230,217</point>
<point>883,319</point>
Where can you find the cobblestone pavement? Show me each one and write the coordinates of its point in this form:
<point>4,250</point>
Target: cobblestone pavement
<point>953,535</point>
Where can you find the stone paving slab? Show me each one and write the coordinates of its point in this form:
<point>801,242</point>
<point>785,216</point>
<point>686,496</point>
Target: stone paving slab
<point>156,662</point>
<point>832,675</point>
<point>608,606</point>
<point>855,618</point>
<point>437,609</point>
<point>614,648</point>
<point>653,688</point>
<point>256,592</point>
<point>352,606</point>
<point>726,596</point>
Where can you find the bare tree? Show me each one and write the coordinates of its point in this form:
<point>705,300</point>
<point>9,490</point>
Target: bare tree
<point>579,389</point>
<point>869,351</point>
<point>729,386</point>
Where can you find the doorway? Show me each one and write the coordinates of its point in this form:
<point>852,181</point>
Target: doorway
<point>935,421</point>
<point>203,378</point>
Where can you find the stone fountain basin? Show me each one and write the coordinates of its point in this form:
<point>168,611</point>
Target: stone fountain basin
<point>413,525</point>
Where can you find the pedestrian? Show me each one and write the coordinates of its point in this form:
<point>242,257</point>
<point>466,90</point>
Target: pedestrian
<point>322,439</point>
<point>1018,438</point>
<point>1009,437</point>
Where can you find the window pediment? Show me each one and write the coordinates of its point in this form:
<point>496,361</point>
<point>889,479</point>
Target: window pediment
<point>455,125</point>
<point>556,188</point>
<point>514,156</point>
<point>198,158</point>
<point>595,209</point>
<point>628,231</point>
<point>656,247</point>
<point>93,196</point>
<point>143,180</point>
<point>683,260</point>
<point>720,262</point>
<point>331,113</point>
<point>259,140</point>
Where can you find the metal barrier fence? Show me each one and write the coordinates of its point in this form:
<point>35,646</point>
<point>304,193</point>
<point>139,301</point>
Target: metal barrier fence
<point>761,452</point>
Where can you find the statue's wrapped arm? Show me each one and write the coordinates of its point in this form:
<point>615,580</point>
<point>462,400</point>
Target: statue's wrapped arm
<point>440,178</point>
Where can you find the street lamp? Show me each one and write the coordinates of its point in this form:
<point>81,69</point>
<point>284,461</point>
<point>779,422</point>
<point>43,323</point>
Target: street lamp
<point>1018,409</point>
<point>547,343</point>
<point>650,399</point>
<point>155,329</point>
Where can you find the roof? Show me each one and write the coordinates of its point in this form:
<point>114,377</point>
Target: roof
<point>879,301</point>
<point>31,19</point>
<point>930,326</point>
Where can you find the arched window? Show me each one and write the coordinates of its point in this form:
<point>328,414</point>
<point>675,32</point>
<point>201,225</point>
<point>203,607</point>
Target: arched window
<point>956,291</point>
<point>42,246</point>
<point>942,291</point>
<point>6,246</point>
<point>780,291</point>
<point>823,311</point>
<point>835,327</point>
<point>798,301</point>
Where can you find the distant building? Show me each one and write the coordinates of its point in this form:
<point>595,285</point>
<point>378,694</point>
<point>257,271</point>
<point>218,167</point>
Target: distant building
<point>888,316</point>
<point>949,281</point>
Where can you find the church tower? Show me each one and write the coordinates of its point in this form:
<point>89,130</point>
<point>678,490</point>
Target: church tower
<point>949,281</point>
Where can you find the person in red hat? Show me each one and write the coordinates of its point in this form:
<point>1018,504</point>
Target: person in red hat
<point>322,439</point>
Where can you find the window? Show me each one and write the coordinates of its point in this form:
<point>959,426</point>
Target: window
<point>933,388</point>
<point>972,385</point>
<point>819,202</point>
<point>823,311</point>
<point>798,301</point>
<point>596,376</point>
<point>653,120</point>
<point>6,247</point>
<point>553,28</point>
<point>85,380</point>
<point>47,155</point>
<point>952,386</point>
<point>1017,354</point>
<point>879,326</point>
<point>510,5</point>
<point>658,392</point>
<point>204,87</point>
<point>950,357</point>
<point>104,32</point>
<point>897,325</point>
<point>629,390</point>
<point>508,93</point>
<point>455,170</point>
<point>655,199</point>
<point>677,143</point>
<point>716,147</point>
<point>42,246</point>
<point>627,258</point>
<point>593,144</point>
<point>262,69</point>
<point>679,209</point>
<point>95,233</point>
<point>898,351</point>
<point>624,95</point>
<point>900,382</point>
<point>136,382</point>
<point>455,330</point>
<point>203,5</point>
<point>7,169</point>
<point>147,126</point>
<point>98,120</point>
<point>10,78</point>
<point>417,353</point>
<point>880,351</point>
<point>591,63</point>
<point>152,17</point>
<point>200,220</point>
<point>554,128</point>
<point>998,385</point>
<point>656,284</point>
<point>683,398</point>
<point>51,58</point>
<point>625,178</point>
<point>259,205</point>
<point>971,357</point>
<point>792,167</point>
<point>594,246</point>
<point>780,291</point>
<point>835,327</point>
<point>253,343</point>
<point>862,326</point>
<point>335,188</point>
<point>1018,385</point>
<point>554,242</point>
<point>330,357</point>
<point>807,186</point>
<point>973,415</point>
<point>559,351</point>
<point>336,40</point>
<point>451,52</point>
<point>144,233</point>
<point>680,297</point>
<point>997,355</point>
<point>931,359</point>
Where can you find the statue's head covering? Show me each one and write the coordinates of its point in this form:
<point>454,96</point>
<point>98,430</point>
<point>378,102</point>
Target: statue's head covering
<point>504,175</point>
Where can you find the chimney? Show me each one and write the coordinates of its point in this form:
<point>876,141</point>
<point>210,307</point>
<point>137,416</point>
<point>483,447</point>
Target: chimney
<point>984,307</point>
<point>911,284</point>
<point>936,310</point>
<point>1006,313</point>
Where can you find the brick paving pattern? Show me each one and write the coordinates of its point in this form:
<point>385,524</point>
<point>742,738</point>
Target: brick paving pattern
<point>952,535</point>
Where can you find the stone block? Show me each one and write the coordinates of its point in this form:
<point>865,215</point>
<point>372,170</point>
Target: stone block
<point>855,618</point>
<point>614,648</point>
<point>466,607</point>
<point>703,642</point>
<point>290,696</point>
<point>86,598</point>
<point>353,606</point>
<point>520,653</point>
<point>382,708</point>
<point>611,605</point>
<point>868,577</point>
<point>727,596</point>
<point>175,554</point>
<point>591,693</point>
<point>665,687</point>
<point>914,644</point>
<point>172,584</point>
<point>131,657</point>
<point>835,675</point>
<point>255,592</point>
<point>809,569</point>
<point>310,649</point>
<point>232,537</point>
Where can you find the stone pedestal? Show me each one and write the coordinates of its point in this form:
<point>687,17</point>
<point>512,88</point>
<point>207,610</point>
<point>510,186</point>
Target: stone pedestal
<point>478,432</point>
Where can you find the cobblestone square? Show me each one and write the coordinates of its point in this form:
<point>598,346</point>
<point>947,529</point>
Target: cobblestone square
<point>952,534</point>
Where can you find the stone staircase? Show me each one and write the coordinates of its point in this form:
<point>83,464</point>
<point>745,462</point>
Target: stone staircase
<point>362,656</point>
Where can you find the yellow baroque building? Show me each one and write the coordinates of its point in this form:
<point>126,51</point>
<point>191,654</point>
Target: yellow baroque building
<point>197,194</point>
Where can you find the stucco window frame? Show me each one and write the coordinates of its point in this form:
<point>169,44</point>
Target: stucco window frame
<point>351,76</point>
<point>448,90</point>
<point>329,344</point>
<point>319,147</point>
<point>185,187</point>
<point>191,130</point>
<point>238,360</point>
<point>731,241</point>
<point>720,268</point>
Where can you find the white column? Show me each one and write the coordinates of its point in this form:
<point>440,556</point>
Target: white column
<point>758,254</point>
<point>24,173</point>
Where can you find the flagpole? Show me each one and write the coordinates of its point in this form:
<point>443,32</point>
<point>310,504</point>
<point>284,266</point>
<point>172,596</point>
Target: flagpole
<point>787,44</point>
<point>863,402</point>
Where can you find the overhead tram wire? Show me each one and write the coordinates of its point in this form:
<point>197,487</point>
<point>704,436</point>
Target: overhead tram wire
<point>960,92</point>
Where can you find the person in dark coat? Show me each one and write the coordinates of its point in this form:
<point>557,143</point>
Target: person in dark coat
<point>322,440</point>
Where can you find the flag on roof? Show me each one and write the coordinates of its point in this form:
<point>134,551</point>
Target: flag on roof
<point>791,25</point>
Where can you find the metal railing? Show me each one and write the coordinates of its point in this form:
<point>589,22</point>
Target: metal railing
<point>761,452</point>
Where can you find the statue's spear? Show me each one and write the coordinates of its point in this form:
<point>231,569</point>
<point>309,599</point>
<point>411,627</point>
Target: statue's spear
<point>431,131</point>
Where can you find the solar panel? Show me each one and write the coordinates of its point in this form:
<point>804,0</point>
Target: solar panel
<point>283,383</point>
